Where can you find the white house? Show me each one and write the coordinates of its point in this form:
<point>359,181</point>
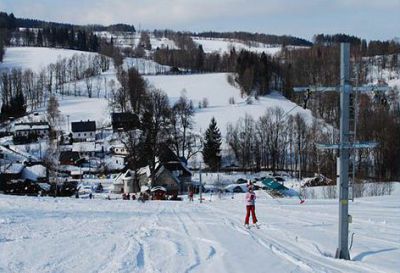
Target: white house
<point>115,162</point>
<point>87,149</point>
<point>119,149</point>
<point>25,129</point>
<point>123,183</point>
<point>83,130</point>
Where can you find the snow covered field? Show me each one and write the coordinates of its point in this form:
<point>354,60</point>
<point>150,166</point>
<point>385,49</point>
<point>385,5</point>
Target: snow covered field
<point>34,58</point>
<point>221,46</point>
<point>77,235</point>
<point>225,45</point>
<point>217,90</point>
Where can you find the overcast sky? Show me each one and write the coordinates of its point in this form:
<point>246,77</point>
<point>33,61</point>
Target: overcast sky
<point>370,19</point>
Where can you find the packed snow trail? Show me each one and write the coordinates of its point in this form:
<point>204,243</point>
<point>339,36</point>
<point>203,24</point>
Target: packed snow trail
<point>76,235</point>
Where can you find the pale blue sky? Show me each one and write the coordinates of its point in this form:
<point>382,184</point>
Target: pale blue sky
<point>370,19</point>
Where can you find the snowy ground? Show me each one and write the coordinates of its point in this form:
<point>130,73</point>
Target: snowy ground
<point>221,46</point>
<point>69,235</point>
<point>225,45</point>
<point>218,91</point>
<point>35,58</point>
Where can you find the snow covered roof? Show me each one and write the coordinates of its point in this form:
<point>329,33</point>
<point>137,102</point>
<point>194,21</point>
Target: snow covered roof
<point>119,180</point>
<point>231,187</point>
<point>34,172</point>
<point>86,147</point>
<point>158,188</point>
<point>144,170</point>
<point>31,126</point>
<point>76,172</point>
<point>14,168</point>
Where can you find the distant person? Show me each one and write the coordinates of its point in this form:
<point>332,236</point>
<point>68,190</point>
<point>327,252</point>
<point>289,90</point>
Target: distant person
<point>250,206</point>
<point>191,195</point>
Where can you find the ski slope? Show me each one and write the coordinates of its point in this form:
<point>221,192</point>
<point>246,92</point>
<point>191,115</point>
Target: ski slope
<point>82,235</point>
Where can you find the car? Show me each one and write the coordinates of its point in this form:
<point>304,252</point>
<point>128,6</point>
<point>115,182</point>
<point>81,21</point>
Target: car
<point>85,189</point>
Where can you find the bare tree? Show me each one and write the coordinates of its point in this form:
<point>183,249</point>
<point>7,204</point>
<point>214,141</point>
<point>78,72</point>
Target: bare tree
<point>183,139</point>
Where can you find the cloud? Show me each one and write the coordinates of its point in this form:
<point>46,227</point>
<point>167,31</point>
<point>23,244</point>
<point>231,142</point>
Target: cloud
<point>294,17</point>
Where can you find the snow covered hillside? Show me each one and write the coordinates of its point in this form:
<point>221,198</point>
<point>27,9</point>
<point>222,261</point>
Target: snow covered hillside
<point>131,39</point>
<point>34,58</point>
<point>213,87</point>
<point>218,91</point>
<point>82,235</point>
<point>220,45</point>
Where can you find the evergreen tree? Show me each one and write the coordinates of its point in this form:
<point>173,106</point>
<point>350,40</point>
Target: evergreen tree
<point>212,146</point>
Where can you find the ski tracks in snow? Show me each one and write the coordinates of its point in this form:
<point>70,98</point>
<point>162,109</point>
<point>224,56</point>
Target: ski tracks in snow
<point>301,257</point>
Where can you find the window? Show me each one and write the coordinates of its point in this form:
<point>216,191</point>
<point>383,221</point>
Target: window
<point>79,134</point>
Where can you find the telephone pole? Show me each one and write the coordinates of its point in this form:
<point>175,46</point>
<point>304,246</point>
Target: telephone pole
<point>345,144</point>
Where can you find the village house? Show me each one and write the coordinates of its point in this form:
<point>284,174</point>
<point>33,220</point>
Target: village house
<point>31,130</point>
<point>11,171</point>
<point>174,176</point>
<point>119,149</point>
<point>88,149</point>
<point>69,158</point>
<point>115,162</point>
<point>125,182</point>
<point>83,130</point>
<point>36,173</point>
<point>124,121</point>
<point>171,173</point>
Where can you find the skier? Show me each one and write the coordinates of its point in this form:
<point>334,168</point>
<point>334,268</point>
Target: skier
<point>191,195</point>
<point>250,206</point>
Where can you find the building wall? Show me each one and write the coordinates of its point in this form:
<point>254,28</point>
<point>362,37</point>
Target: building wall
<point>83,135</point>
<point>40,133</point>
<point>166,180</point>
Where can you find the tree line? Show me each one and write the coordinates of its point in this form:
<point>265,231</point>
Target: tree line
<point>256,37</point>
<point>57,38</point>
<point>371,48</point>
<point>279,142</point>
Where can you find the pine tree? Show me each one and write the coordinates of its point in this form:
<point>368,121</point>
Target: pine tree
<point>212,146</point>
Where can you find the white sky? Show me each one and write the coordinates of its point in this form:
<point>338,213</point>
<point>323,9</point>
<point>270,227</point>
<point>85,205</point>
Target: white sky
<point>370,19</point>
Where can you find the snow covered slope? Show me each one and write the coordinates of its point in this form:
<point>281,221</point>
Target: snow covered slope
<point>213,87</point>
<point>76,235</point>
<point>222,46</point>
<point>218,91</point>
<point>34,58</point>
<point>131,39</point>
